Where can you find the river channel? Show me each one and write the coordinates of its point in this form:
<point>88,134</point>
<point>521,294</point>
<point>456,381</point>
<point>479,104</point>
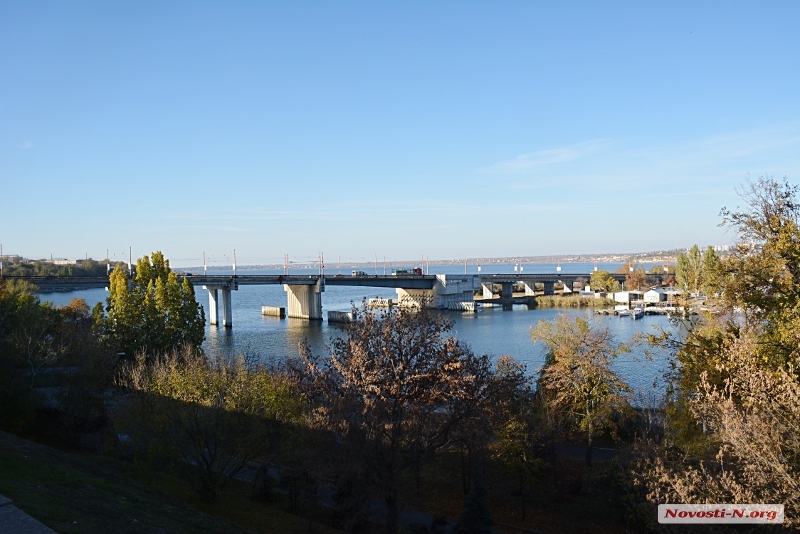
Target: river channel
<point>491,331</point>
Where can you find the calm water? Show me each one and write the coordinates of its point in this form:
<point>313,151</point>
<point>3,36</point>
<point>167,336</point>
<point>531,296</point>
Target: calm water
<point>491,331</point>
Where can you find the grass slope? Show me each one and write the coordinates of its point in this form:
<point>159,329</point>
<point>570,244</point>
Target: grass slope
<point>74,493</point>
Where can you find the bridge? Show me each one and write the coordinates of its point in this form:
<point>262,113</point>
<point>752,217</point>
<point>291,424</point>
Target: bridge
<point>304,292</point>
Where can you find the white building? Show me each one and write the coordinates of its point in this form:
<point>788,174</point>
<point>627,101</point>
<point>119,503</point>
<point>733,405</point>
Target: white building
<point>626,297</point>
<point>657,294</point>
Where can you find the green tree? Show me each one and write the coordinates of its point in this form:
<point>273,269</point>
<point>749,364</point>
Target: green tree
<point>603,281</point>
<point>710,270</point>
<point>689,271</point>
<point>761,278</point>
<point>577,376</point>
<point>153,312</point>
<point>28,329</point>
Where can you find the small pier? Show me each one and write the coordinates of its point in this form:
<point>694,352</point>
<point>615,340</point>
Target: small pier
<point>341,317</point>
<point>653,310</point>
<point>274,311</point>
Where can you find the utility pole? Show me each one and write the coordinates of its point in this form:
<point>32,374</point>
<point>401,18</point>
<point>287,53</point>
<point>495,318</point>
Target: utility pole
<point>234,262</point>
<point>108,265</point>
<point>130,261</point>
<point>204,264</point>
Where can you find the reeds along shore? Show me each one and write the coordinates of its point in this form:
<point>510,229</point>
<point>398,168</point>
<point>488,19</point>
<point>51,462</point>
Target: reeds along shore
<point>557,301</point>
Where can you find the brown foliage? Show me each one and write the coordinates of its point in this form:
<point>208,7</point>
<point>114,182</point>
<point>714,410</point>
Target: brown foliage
<point>577,377</point>
<point>395,389</point>
<point>752,426</point>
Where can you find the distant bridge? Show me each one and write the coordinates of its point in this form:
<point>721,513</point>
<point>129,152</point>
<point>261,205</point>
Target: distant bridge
<point>304,292</point>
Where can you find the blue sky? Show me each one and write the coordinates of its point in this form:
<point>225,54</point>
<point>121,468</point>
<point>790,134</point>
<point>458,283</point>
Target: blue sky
<point>402,129</point>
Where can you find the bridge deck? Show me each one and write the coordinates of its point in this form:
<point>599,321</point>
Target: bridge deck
<point>55,283</point>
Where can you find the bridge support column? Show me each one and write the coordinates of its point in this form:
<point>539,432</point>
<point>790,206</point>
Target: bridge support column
<point>304,301</point>
<point>549,288</point>
<point>415,298</point>
<point>487,291</point>
<point>213,312</point>
<point>530,288</point>
<point>227,316</point>
<point>507,290</point>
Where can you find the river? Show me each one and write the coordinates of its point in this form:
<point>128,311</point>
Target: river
<point>491,331</point>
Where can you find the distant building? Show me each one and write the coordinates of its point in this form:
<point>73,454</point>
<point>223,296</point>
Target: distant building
<point>673,293</point>
<point>657,294</point>
<point>64,262</point>
<point>626,297</point>
<point>587,292</point>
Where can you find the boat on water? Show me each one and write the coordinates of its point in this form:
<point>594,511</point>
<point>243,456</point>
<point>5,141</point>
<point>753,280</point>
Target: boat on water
<point>637,313</point>
<point>624,313</point>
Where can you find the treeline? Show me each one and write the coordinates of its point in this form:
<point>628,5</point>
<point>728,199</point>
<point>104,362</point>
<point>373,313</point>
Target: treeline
<point>88,267</point>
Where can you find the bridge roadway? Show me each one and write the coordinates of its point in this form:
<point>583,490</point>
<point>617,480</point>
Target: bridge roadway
<point>57,283</point>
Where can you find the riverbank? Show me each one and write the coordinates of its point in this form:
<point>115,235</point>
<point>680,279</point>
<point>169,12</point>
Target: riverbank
<point>572,301</point>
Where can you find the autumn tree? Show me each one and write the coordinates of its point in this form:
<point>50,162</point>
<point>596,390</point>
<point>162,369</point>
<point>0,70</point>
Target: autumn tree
<point>393,386</point>
<point>635,276</point>
<point>751,451</point>
<point>732,419</point>
<point>153,312</point>
<point>577,375</point>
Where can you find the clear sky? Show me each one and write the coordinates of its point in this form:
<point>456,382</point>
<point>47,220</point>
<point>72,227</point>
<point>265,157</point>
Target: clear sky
<point>402,129</point>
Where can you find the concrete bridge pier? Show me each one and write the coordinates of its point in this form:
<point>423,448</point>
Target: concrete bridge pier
<point>487,291</point>
<point>449,292</point>
<point>305,300</point>
<point>530,288</point>
<point>415,298</point>
<point>506,290</point>
<point>549,288</point>
<point>227,314</point>
<point>213,306</point>
<point>213,312</point>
